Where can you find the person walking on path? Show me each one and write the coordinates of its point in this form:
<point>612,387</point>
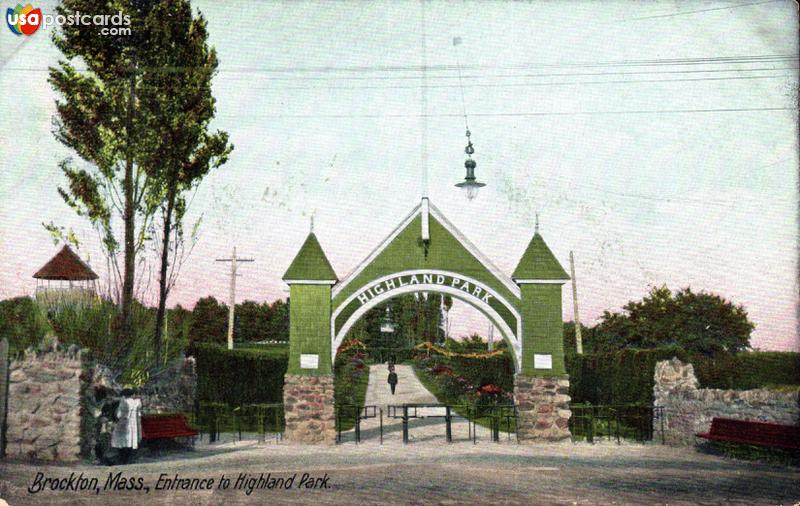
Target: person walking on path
<point>392,379</point>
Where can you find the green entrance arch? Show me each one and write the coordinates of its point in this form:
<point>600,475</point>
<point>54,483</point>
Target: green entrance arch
<point>464,288</point>
<point>427,253</point>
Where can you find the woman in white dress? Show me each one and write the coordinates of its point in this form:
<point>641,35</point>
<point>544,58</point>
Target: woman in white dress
<point>128,431</point>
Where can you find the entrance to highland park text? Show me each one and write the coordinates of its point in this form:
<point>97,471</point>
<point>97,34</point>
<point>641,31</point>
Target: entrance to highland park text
<point>426,254</point>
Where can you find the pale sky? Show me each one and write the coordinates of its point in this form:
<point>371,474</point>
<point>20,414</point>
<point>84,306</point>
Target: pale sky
<point>691,181</point>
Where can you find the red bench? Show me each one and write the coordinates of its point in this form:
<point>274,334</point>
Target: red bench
<point>754,433</point>
<point>166,426</point>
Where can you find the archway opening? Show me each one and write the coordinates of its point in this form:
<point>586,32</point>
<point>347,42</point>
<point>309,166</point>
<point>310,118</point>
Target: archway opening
<point>444,351</point>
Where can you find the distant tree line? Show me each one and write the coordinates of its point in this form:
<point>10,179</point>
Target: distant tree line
<point>26,323</point>
<point>252,321</point>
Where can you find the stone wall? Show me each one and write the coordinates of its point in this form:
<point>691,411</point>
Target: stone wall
<point>542,408</point>
<point>174,390</point>
<point>689,409</point>
<point>46,413</point>
<point>309,409</point>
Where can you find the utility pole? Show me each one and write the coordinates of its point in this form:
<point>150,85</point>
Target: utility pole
<point>234,260</point>
<point>578,337</point>
<point>491,337</point>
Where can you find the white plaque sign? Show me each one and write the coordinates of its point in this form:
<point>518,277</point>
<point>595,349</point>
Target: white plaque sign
<point>543,361</point>
<point>309,361</point>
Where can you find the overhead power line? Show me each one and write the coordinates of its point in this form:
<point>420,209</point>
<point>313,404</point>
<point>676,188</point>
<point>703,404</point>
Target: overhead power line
<point>509,114</point>
<point>714,60</point>
<point>685,13</point>
<point>516,85</point>
<point>504,76</point>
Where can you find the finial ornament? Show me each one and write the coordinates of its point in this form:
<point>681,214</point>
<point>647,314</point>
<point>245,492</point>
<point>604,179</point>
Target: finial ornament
<point>536,229</point>
<point>312,222</point>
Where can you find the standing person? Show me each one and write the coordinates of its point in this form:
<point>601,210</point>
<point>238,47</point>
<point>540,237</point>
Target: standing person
<point>392,379</point>
<point>128,431</point>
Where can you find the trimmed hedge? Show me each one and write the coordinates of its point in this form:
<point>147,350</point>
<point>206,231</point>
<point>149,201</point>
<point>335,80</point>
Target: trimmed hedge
<point>745,371</point>
<point>626,377</point>
<point>243,376</point>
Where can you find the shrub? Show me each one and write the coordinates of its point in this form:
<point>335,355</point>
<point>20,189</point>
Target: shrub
<point>626,377</point>
<point>351,376</point>
<point>23,322</point>
<point>243,376</point>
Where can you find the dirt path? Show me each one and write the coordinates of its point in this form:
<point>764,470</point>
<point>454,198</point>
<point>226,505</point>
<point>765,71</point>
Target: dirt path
<point>432,472</point>
<point>409,389</point>
<point>428,470</point>
<point>429,423</point>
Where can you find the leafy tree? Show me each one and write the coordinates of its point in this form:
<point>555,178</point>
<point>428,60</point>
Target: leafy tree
<point>695,321</point>
<point>416,318</point>
<point>180,322</point>
<point>252,321</point>
<point>179,150</point>
<point>209,321</point>
<point>277,325</point>
<point>447,305</point>
<point>570,345</point>
<point>138,117</point>
<point>96,118</point>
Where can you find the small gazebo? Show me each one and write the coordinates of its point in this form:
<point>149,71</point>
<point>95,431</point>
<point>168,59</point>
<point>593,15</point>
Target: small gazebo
<point>65,273</point>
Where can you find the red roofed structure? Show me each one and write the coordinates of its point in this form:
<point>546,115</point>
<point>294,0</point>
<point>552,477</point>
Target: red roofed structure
<point>66,266</point>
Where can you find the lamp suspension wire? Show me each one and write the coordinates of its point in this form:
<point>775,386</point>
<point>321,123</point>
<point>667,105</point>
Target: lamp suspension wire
<point>457,42</point>
<point>424,105</point>
<point>469,150</point>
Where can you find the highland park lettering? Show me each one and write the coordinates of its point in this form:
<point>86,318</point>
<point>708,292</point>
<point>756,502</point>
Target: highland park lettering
<point>424,279</point>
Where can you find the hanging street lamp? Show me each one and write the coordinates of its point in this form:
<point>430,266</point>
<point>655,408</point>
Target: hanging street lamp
<point>387,323</point>
<point>470,185</point>
<point>387,329</point>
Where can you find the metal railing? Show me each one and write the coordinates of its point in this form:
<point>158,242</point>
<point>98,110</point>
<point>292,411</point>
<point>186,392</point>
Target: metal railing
<point>216,418</point>
<point>495,414</point>
<point>347,412</point>
<point>619,421</point>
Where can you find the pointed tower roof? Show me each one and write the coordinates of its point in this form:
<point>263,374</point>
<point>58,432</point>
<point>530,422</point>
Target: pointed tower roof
<point>538,263</point>
<point>310,264</point>
<point>66,265</point>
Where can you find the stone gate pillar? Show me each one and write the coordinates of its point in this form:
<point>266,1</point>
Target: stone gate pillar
<point>541,387</point>
<point>308,385</point>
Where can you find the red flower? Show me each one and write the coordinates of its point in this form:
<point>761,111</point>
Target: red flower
<point>441,369</point>
<point>490,390</point>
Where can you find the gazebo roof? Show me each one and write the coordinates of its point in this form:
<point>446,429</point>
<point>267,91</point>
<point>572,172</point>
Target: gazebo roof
<point>66,266</point>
